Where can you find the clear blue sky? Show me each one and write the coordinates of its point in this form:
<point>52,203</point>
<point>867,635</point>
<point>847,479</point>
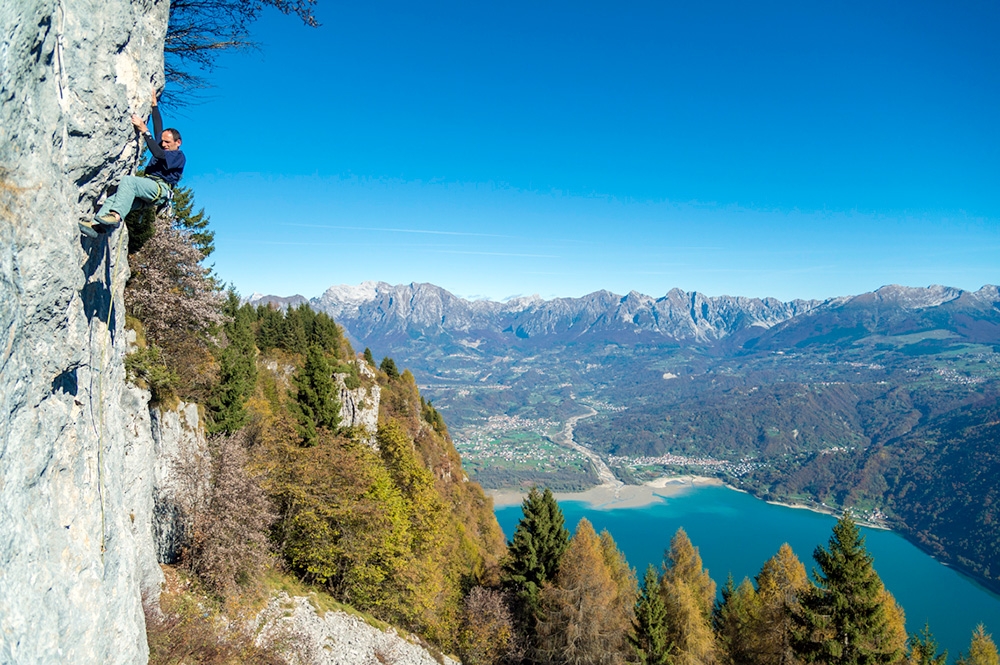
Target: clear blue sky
<point>786,149</point>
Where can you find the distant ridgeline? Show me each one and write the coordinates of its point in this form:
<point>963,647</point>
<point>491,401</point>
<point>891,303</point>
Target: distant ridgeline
<point>886,402</point>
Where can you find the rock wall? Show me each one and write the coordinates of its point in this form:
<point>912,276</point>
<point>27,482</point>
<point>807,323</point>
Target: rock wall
<point>359,407</point>
<point>76,451</point>
<point>181,478</point>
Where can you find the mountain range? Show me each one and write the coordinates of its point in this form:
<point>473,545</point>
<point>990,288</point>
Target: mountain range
<point>394,314</point>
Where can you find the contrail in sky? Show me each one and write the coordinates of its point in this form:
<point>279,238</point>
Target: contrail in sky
<point>426,231</point>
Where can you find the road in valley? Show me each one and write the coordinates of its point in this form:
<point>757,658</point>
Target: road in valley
<point>565,438</point>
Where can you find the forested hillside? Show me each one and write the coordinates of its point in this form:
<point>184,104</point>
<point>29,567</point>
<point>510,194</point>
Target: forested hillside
<point>377,513</point>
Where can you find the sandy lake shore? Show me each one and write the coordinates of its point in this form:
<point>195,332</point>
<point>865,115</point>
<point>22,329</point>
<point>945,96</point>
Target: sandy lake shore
<point>608,496</point>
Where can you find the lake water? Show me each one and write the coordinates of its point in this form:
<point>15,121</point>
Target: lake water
<point>737,533</point>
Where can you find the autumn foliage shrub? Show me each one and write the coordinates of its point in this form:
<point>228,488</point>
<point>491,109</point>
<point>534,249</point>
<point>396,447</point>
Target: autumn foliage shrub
<point>178,303</point>
<point>231,545</point>
<point>487,634</point>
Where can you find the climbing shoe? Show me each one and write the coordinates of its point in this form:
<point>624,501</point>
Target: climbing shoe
<point>108,219</point>
<point>87,229</point>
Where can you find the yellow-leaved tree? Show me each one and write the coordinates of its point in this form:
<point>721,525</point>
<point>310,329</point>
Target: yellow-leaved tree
<point>585,614</point>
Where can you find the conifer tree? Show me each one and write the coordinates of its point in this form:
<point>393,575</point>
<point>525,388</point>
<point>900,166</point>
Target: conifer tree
<point>581,619</point>
<point>369,358</point>
<point>682,562</point>
<point>194,223</point>
<point>737,622</point>
<point>649,630</point>
<point>270,327</point>
<point>389,367</point>
<point>924,649</point>
<point>780,583</point>
<point>237,370</point>
<point>316,399</point>
<point>689,596</point>
<point>848,618</point>
<point>982,649</point>
<point>687,627</point>
<point>294,337</point>
<point>534,553</point>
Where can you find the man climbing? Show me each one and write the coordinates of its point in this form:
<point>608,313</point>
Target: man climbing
<point>162,173</point>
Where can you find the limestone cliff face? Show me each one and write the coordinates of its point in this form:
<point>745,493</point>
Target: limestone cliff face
<point>359,407</point>
<point>76,550</point>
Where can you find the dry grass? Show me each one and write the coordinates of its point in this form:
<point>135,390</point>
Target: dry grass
<point>188,628</point>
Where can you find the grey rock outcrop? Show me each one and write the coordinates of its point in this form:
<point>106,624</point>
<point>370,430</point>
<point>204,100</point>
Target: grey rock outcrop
<point>359,406</point>
<point>180,480</point>
<point>336,638</point>
<point>75,445</point>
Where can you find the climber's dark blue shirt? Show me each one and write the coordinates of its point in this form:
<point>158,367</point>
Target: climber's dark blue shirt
<point>166,165</point>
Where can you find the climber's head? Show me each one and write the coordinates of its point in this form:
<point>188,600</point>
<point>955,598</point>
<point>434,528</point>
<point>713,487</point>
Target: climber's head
<point>170,139</point>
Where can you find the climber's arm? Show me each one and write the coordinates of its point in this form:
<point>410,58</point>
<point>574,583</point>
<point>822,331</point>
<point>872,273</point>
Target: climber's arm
<point>152,140</point>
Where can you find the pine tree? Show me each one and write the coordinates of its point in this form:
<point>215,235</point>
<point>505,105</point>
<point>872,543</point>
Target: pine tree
<point>847,618</point>
<point>924,649</point>
<point>649,630</point>
<point>369,358</point>
<point>581,619</point>
<point>534,553</point>
<point>982,649</point>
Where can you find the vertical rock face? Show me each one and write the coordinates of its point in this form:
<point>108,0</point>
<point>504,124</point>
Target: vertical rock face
<point>359,407</point>
<point>75,448</point>
<point>180,480</point>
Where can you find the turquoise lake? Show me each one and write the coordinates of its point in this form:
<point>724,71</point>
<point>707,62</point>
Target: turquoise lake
<point>737,533</point>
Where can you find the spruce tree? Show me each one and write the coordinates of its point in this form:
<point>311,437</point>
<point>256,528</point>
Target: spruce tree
<point>534,553</point>
<point>737,623</point>
<point>237,370</point>
<point>389,367</point>
<point>924,649</point>
<point>316,397</point>
<point>195,224</point>
<point>848,618</point>
<point>649,630</point>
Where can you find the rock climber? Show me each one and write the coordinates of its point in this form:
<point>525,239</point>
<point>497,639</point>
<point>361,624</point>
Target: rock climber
<point>162,173</point>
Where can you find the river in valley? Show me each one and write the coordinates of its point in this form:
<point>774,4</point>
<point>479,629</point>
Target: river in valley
<point>736,533</point>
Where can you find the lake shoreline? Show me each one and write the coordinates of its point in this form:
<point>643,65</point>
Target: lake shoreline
<point>613,496</point>
<point>608,496</point>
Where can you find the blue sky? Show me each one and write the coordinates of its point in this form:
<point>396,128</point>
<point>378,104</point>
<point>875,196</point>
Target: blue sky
<point>786,149</point>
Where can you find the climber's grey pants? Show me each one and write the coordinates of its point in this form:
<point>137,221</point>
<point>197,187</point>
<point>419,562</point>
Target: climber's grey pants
<point>131,194</point>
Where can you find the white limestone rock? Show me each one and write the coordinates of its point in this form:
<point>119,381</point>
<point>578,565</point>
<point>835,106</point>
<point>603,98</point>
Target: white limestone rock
<point>74,439</point>
<point>359,407</point>
<point>181,480</point>
<point>336,638</point>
